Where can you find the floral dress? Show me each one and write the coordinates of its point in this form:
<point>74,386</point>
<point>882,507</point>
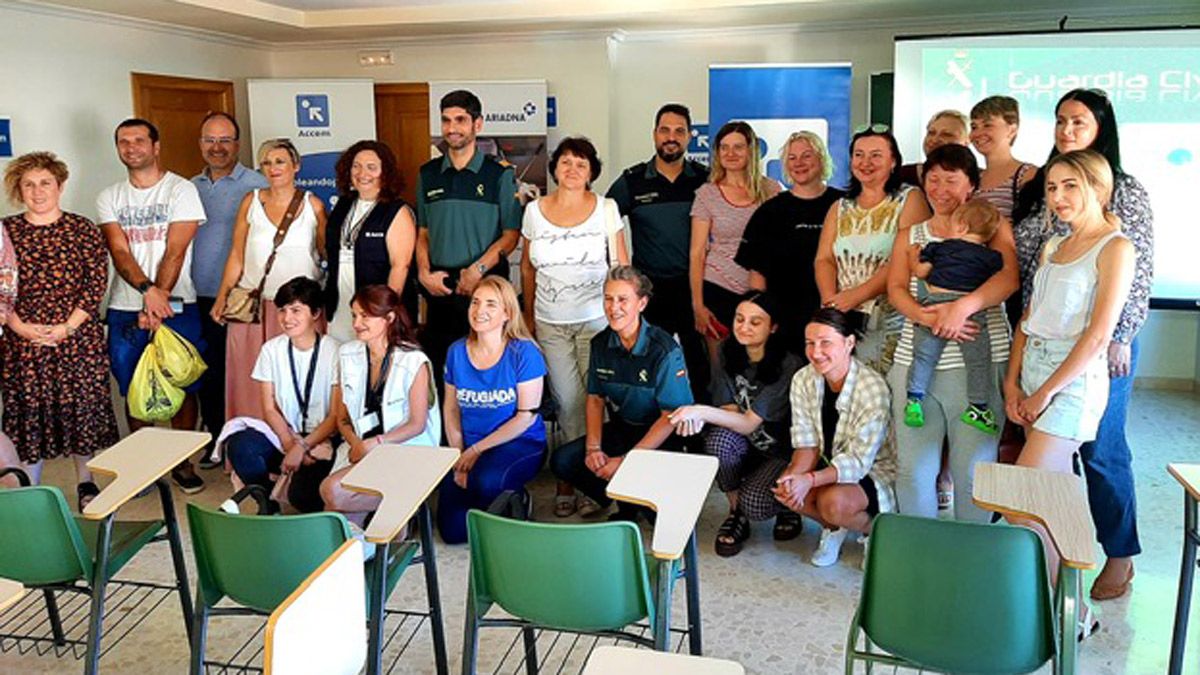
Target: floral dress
<point>56,399</point>
<point>862,245</point>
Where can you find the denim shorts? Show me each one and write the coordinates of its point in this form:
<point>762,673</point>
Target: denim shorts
<point>1075,411</point>
<point>126,341</point>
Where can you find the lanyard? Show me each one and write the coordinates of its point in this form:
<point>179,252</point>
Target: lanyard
<point>306,397</point>
<point>383,371</point>
<point>351,226</point>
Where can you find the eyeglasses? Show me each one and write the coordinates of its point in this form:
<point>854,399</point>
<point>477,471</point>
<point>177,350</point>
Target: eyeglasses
<point>874,128</point>
<point>223,140</point>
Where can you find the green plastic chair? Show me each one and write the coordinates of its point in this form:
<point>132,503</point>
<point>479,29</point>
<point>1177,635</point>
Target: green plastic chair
<point>953,597</point>
<point>258,561</point>
<point>48,548</point>
<point>582,578</point>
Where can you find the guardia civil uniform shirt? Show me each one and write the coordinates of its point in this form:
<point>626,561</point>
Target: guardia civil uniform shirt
<point>659,211</point>
<point>638,384</point>
<point>465,210</point>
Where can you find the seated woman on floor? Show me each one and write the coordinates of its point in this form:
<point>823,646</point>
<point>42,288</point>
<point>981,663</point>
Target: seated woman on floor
<point>844,461</point>
<point>748,421</point>
<point>494,379</point>
<point>387,394</point>
<point>294,375</point>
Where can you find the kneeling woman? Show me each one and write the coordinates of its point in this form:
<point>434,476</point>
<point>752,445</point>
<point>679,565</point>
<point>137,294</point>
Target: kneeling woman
<point>294,376</point>
<point>636,371</point>
<point>748,427</point>
<point>387,394</point>
<point>494,380</point>
<point>844,462</point>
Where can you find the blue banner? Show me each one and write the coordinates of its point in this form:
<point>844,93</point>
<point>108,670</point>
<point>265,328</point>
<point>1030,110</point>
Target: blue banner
<point>778,100</point>
<point>6,146</point>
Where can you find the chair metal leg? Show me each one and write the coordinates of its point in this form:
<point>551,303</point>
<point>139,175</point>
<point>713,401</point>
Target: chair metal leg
<point>377,589</point>
<point>99,585</point>
<point>176,542</point>
<point>662,610</point>
<point>1187,573</point>
<point>470,634</point>
<point>531,657</point>
<point>198,638</point>
<point>1068,594</point>
<point>432,592</point>
<point>56,628</point>
<point>692,586</point>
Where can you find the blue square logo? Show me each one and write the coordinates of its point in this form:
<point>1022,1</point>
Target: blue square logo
<point>312,110</point>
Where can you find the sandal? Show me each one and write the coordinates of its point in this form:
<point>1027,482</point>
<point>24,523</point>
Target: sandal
<point>588,507</point>
<point>732,534</point>
<point>86,492</point>
<point>788,526</point>
<point>565,505</point>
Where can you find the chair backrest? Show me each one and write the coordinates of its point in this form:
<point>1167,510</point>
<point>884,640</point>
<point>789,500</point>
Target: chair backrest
<point>574,577</point>
<point>41,542</point>
<point>958,597</point>
<point>259,560</point>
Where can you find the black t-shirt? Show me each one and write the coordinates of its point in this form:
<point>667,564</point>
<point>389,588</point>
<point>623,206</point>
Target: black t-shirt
<point>780,243</point>
<point>770,401</point>
<point>829,421</point>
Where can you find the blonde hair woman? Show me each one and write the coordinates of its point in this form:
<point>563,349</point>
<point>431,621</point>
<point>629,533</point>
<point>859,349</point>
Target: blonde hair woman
<point>781,240</point>
<point>494,380</point>
<point>1057,383</point>
<point>723,206</point>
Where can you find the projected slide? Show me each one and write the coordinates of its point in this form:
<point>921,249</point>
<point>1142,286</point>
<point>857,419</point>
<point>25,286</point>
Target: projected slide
<point>1152,77</point>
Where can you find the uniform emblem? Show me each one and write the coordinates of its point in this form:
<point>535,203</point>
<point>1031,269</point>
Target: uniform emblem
<point>644,376</point>
<point>479,189</point>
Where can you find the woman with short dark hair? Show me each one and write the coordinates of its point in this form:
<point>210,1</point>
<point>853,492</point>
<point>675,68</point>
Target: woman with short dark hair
<point>994,124</point>
<point>569,239</point>
<point>370,235</point>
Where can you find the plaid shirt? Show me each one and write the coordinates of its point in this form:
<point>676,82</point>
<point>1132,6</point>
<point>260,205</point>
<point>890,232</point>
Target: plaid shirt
<point>864,443</point>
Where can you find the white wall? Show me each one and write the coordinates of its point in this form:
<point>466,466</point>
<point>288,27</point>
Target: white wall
<point>64,81</point>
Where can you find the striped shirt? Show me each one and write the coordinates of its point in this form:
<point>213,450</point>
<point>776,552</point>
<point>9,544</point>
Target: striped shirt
<point>997,323</point>
<point>864,443</point>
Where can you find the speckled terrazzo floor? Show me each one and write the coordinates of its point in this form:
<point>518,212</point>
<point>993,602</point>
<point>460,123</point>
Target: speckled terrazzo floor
<point>767,608</point>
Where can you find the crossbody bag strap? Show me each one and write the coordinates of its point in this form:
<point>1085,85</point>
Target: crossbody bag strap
<point>280,233</point>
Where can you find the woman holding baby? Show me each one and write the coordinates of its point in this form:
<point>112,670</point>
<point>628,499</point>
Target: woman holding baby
<point>951,175</point>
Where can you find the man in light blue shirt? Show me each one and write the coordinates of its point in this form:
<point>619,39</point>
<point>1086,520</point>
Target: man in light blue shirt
<point>222,186</point>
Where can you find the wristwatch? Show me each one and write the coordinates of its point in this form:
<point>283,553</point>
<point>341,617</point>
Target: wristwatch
<point>481,268</point>
<point>144,286</point>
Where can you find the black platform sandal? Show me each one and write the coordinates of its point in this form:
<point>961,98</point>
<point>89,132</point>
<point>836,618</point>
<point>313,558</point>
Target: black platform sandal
<point>732,534</point>
<point>86,492</point>
<point>788,525</point>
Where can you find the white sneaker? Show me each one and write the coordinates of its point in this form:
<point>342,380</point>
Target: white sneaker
<point>866,542</point>
<point>829,548</point>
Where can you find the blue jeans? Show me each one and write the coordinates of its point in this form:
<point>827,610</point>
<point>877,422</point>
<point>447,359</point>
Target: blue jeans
<point>255,459</point>
<point>1108,467</point>
<point>504,467</point>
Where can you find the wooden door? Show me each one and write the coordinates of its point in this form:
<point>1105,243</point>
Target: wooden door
<point>402,122</point>
<point>177,106</point>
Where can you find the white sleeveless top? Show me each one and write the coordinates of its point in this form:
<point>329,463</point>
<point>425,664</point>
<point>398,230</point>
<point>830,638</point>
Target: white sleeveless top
<point>297,253</point>
<point>1064,293</point>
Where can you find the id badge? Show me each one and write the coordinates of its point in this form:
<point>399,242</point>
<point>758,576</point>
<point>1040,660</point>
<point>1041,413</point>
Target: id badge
<point>367,422</point>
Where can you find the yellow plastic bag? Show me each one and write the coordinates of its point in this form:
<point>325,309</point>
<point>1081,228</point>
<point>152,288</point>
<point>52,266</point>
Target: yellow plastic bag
<point>178,360</point>
<point>151,397</point>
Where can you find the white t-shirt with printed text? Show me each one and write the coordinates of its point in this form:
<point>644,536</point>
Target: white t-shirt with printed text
<point>273,366</point>
<point>571,262</point>
<point>145,215</point>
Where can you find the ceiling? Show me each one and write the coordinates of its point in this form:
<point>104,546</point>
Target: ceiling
<point>300,22</point>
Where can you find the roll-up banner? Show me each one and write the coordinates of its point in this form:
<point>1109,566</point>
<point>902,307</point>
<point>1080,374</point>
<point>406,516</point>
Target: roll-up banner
<point>321,117</point>
<point>514,124</point>
<point>780,99</point>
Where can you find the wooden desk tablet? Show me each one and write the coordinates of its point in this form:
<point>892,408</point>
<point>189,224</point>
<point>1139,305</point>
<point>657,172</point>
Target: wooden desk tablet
<point>610,660</point>
<point>319,629</point>
<point>137,461</point>
<point>10,593</point>
<point>1059,502</point>
<point>1188,476</point>
<point>403,476</point>
<point>675,485</point>
<point>1056,500</point>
